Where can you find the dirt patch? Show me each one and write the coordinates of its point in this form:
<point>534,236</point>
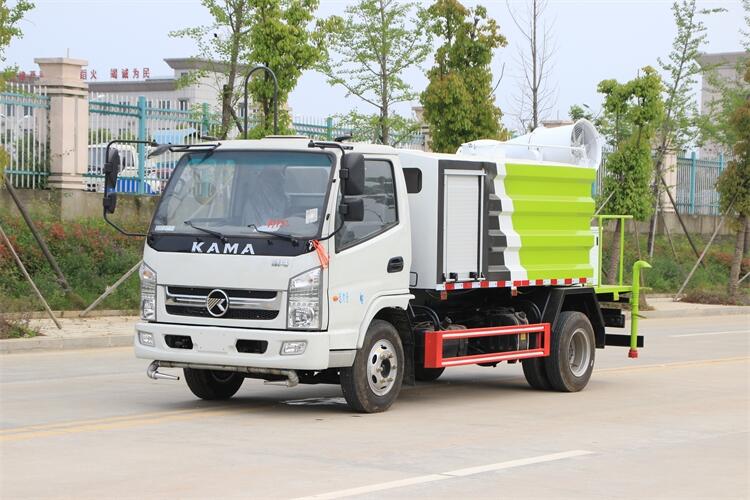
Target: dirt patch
<point>705,297</point>
<point>16,329</point>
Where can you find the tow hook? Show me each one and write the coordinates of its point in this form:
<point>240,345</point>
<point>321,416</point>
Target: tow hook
<point>153,372</point>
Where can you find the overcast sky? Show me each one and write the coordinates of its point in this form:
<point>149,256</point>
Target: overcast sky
<point>595,39</point>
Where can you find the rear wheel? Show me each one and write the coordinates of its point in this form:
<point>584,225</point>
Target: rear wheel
<point>536,376</point>
<point>213,384</point>
<point>373,383</point>
<point>571,360</point>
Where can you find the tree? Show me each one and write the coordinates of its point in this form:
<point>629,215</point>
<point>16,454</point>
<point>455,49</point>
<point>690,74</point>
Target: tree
<point>10,17</point>
<point>536,96</point>
<point>634,108</point>
<point>245,33</point>
<point>734,184</point>
<point>576,112</point>
<point>369,51</point>
<point>681,70</point>
<point>281,39</point>
<point>366,128</point>
<point>221,47</point>
<point>458,101</point>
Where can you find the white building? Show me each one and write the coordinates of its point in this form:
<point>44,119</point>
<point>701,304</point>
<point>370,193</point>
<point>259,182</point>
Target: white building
<point>177,92</point>
<point>725,65</point>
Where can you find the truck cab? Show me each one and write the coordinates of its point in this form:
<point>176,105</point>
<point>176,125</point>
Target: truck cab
<point>251,261</point>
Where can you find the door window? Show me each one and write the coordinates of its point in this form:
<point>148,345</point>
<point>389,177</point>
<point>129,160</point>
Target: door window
<point>379,200</point>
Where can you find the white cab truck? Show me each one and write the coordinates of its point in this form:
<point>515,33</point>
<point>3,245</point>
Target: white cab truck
<point>297,261</point>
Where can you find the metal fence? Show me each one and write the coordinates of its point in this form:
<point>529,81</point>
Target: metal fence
<point>696,184</point>
<point>24,133</point>
<point>136,118</point>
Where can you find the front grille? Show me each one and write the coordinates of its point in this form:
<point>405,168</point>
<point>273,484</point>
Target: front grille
<point>240,294</point>
<point>259,305</point>
<point>202,312</point>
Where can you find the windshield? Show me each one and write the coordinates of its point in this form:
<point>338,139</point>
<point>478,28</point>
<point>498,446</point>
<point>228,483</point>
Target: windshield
<point>229,191</point>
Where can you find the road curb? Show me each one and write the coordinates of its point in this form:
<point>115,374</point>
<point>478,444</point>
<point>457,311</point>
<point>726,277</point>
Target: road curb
<point>41,343</point>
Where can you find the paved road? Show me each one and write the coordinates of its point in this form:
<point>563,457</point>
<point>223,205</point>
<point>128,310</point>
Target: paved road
<point>674,423</point>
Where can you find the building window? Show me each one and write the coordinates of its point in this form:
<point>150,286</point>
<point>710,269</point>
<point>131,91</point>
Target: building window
<point>184,104</point>
<point>164,104</point>
<point>10,110</point>
<point>28,111</point>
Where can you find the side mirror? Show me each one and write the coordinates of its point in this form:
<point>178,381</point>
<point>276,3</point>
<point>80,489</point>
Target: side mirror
<point>353,173</point>
<point>109,202</point>
<point>112,169</point>
<point>352,209</point>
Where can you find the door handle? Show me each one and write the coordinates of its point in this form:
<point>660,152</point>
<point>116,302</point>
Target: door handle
<point>396,264</point>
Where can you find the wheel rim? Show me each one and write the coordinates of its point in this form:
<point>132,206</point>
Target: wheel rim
<point>382,367</point>
<point>579,352</point>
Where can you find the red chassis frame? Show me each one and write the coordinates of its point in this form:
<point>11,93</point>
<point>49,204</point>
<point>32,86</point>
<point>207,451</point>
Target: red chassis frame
<point>433,345</point>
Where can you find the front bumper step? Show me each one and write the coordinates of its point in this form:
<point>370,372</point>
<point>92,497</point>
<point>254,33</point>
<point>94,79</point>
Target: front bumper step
<point>292,378</point>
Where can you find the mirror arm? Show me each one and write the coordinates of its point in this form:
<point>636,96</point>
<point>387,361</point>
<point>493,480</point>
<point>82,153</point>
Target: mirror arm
<point>121,230</point>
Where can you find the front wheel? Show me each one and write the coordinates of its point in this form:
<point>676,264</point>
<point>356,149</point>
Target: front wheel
<point>373,382</point>
<point>423,374</point>
<point>213,384</point>
<point>571,360</point>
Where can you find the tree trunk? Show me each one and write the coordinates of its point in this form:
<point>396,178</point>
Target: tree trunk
<point>739,250</point>
<point>614,256</point>
<point>227,93</point>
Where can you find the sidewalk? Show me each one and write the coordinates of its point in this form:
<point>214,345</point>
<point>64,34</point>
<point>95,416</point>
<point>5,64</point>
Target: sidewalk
<point>665,307</point>
<point>77,333</point>
<point>117,331</point>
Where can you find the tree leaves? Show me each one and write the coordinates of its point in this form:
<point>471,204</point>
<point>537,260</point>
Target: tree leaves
<point>458,102</point>
<point>634,109</point>
<point>369,50</point>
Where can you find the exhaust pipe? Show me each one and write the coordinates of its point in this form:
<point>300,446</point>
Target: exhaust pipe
<point>292,378</point>
<point>153,372</point>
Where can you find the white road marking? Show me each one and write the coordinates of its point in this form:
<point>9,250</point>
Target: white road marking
<point>701,334</point>
<point>429,478</point>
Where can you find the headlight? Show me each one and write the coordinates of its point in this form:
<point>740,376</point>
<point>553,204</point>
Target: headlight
<point>148,293</point>
<point>303,307</point>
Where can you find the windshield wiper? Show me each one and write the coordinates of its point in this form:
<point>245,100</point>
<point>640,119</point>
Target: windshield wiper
<point>209,231</point>
<point>289,237</point>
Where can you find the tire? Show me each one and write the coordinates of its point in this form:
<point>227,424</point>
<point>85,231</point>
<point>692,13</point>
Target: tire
<point>427,374</point>
<point>213,384</point>
<point>366,388</point>
<point>571,360</point>
<point>536,376</point>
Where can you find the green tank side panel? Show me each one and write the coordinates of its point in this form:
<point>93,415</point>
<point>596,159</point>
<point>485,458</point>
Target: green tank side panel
<point>552,211</point>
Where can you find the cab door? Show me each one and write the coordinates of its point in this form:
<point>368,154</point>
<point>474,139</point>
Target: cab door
<point>370,259</point>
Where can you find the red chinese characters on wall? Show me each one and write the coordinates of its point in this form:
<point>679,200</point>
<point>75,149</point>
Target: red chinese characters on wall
<point>114,74</point>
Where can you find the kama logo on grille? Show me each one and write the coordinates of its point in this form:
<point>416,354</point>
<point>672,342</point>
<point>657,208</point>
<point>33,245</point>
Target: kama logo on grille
<point>217,303</point>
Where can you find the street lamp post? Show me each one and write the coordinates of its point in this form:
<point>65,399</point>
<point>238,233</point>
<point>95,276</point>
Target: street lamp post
<point>275,96</point>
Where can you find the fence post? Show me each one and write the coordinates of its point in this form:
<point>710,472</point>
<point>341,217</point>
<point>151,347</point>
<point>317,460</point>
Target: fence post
<point>68,120</point>
<point>141,147</point>
<point>693,166</point>
<point>329,128</point>
<point>205,122</point>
